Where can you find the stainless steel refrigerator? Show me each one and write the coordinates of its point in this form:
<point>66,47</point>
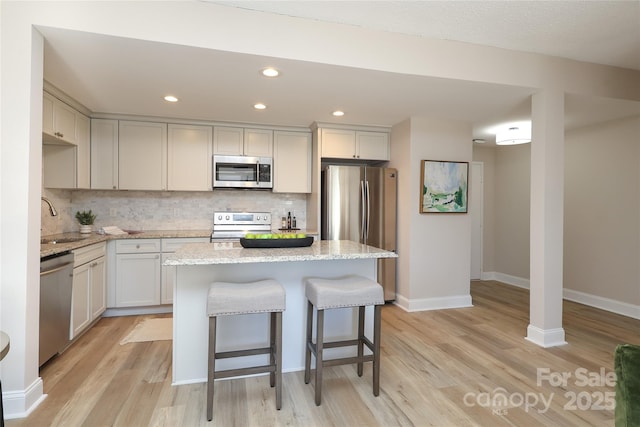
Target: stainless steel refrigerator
<point>359,204</point>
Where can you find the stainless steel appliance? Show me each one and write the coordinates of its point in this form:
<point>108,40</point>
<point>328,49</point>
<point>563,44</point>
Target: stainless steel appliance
<point>56,277</point>
<point>359,204</point>
<point>242,172</point>
<point>231,226</point>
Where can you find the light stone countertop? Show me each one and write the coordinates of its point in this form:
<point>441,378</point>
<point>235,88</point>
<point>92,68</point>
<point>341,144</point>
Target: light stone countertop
<point>90,239</point>
<point>210,253</point>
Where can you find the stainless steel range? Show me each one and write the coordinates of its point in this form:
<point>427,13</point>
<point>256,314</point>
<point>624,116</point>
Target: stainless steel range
<point>231,226</point>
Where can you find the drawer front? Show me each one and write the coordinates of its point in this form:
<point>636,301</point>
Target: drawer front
<point>88,253</point>
<point>173,244</point>
<point>136,246</point>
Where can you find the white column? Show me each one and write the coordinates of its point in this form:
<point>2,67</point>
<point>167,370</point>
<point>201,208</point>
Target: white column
<point>546,222</point>
<point>20,188</point>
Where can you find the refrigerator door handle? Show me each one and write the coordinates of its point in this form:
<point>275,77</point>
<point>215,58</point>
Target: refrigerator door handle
<point>366,184</point>
<point>363,224</point>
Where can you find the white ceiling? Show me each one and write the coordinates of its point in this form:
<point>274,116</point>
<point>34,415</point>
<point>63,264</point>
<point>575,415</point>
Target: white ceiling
<point>106,74</point>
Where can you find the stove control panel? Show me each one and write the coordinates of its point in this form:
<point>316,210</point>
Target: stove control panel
<point>242,218</point>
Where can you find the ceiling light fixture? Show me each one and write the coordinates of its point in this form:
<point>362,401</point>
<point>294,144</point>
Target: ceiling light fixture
<point>260,106</point>
<point>513,136</point>
<point>170,98</point>
<point>478,140</point>
<point>338,113</point>
<point>270,72</point>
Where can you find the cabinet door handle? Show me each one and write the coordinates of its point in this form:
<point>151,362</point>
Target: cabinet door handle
<point>157,256</point>
<point>93,264</point>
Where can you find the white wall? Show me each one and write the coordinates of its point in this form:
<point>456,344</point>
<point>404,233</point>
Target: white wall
<point>602,211</point>
<point>512,193</point>
<point>434,248</point>
<point>602,215</point>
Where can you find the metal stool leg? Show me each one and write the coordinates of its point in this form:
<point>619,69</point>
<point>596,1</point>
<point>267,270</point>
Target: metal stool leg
<point>360,339</point>
<point>212,366</point>
<point>377,322</point>
<point>307,344</point>
<point>319,356</point>
<point>272,344</point>
<point>278,359</point>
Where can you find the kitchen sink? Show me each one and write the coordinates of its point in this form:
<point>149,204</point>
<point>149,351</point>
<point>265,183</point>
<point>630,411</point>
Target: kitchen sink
<point>61,240</point>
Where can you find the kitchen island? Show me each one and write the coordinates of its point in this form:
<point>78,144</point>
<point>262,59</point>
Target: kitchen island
<point>200,264</point>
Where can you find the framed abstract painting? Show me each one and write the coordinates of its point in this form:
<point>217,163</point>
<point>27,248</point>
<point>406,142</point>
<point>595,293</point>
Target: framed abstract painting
<point>444,186</point>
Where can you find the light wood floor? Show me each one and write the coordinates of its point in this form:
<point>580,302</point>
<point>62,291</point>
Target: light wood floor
<point>439,368</point>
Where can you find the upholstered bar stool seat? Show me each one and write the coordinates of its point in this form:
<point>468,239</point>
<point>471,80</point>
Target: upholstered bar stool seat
<point>350,291</point>
<point>226,299</point>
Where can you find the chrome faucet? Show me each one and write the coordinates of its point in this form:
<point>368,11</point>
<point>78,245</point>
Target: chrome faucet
<point>52,210</point>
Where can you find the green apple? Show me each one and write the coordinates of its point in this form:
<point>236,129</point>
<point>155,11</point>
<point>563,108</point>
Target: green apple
<point>250,236</point>
<point>301,236</point>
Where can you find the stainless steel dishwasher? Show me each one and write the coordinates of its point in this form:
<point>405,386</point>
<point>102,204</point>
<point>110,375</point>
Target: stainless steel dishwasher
<point>56,277</point>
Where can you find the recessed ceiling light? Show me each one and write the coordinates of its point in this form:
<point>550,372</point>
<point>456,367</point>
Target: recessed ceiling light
<point>259,106</point>
<point>338,113</point>
<point>478,140</point>
<point>270,72</point>
<point>170,98</point>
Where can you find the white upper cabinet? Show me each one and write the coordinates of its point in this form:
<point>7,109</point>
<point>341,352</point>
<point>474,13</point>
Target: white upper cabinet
<point>83,152</point>
<point>142,156</point>
<point>242,142</point>
<point>372,145</point>
<point>258,142</point>
<point>104,154</point>
<point>58,120</point>
<point>228,141</point>
<point>189,157</point>
<point>354,144</point>
<point>291,162</point>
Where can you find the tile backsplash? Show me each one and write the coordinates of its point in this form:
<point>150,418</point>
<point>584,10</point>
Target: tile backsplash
<point>154,210</point>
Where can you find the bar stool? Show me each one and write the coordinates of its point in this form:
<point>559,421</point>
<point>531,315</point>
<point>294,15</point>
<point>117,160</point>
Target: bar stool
<point>351,291</point>
<point>226,299</point>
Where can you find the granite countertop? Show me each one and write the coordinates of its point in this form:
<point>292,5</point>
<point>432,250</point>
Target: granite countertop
<point>210,253</point>
<point>90,239</point>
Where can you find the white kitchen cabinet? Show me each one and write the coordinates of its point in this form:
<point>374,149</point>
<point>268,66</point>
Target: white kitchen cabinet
<point>291,162</point>
<point>104,154</point>
<point>58,120</point>
<point>65,152</point>
<point>258,142</point>
<point>228,141</point>
<point>189,157</point>
<point>88,295</point>
<point>231,141</point>
<point>142,155</point>
<point>137,275</point>
<point>169,246</point>
<point>59,166</point>
<point>354,144</point>
<point>83,151</point>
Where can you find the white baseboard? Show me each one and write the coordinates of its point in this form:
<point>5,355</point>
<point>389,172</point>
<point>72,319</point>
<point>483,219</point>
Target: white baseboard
<point>545,337</point>
<point>136,311</point>
<point>603,303</point>
<point>439,303</point>
<point>506,278</point>
<point>20,403</point>
<point>595,301</point>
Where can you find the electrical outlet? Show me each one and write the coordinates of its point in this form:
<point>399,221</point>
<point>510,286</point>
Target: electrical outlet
<point>113,211</point>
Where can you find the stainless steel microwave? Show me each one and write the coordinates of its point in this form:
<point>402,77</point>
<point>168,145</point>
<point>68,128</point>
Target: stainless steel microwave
<point>242,172</point>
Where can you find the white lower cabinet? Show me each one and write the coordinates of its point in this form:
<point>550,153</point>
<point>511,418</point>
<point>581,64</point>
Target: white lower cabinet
<point>88,295</point>
<point>140,279</point>
<point>137,272</point>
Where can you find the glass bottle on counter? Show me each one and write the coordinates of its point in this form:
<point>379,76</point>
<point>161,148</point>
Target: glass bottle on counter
<point>284,223</point>
<point>293,222</point>
<point>289,221</point>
